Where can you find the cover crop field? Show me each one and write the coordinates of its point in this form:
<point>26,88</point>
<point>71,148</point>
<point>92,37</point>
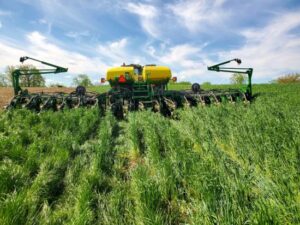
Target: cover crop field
<point>227,164</point>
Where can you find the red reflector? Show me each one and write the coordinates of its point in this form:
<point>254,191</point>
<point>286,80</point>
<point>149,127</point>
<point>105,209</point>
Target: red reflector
<point>122,79</point>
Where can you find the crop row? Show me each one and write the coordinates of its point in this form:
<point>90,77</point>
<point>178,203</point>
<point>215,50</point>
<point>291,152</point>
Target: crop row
<point>228,164</point>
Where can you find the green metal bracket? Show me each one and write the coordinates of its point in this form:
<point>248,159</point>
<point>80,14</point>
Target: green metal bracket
<point>19,72</point>
<point>248,71</point>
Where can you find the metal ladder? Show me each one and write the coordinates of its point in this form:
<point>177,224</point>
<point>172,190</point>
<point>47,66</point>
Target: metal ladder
<point>142,91</point>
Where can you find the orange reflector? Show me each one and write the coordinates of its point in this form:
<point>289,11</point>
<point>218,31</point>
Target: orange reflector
<point>122,79</point>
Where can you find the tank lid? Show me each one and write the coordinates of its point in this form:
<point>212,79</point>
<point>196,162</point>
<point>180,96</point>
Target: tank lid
<point>132,65</point>
<point>150,65</point>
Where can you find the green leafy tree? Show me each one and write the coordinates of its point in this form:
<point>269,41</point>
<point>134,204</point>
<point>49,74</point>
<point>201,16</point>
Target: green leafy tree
<point>27,80</point>
<point>82,80</point>
<point>238,78</point>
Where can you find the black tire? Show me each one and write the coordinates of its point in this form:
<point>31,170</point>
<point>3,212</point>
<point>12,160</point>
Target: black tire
<point>196,87</point>
<point>80,90</point>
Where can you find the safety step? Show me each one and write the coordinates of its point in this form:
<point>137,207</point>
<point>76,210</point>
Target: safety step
<point>140,97</point>
<point>141,83</point>
<point>140,91</point>
<point>147,102</point>
<point>140,88</point>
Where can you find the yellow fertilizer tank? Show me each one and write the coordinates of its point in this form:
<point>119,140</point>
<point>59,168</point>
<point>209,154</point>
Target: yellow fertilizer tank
<point>156,74</point>
<point>114,74</point>
<point>129,74</point>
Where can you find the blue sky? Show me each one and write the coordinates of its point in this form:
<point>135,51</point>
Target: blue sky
<point>89,36</point>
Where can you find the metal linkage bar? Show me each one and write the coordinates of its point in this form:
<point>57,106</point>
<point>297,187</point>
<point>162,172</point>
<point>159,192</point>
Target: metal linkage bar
<point>248,71</point>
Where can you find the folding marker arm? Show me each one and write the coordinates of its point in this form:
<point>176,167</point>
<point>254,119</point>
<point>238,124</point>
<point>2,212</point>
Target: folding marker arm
<point>21,72</point>
<point>248,71</point>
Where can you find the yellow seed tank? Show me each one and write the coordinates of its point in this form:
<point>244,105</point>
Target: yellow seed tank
<point>157,74</point>
<point>151,74</point>
<point>113,74</point>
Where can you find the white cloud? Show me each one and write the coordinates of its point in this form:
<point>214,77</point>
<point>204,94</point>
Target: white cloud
<point>271,50</point>
<point>148,15</point>
<point>187,61</point>
<point>121,44</point>
<point>38,46</point>
<point>196,15</point>
<point>114,51</point>
<point>163,20</point>
<point>41,47</point>
<point>143,10</point>
<point>1,25</point>
<point>181,55</point>
<point>10,54</point>
<point>36,38</point>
